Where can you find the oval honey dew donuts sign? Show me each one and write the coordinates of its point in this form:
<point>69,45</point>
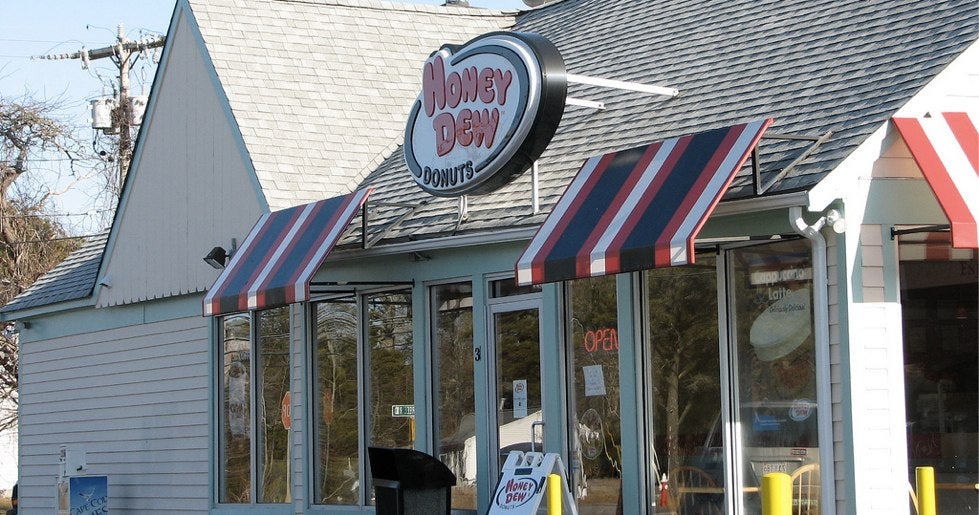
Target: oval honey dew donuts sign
<point>486,111</point>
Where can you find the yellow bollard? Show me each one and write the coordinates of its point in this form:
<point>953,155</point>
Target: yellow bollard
<point>925,479</point>
<point>554,494</point>
<point>776,494</point>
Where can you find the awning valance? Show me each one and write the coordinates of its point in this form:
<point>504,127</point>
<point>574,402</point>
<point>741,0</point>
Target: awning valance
<point>946,149</point>
<point>638,208</point>
<point>284,249</point>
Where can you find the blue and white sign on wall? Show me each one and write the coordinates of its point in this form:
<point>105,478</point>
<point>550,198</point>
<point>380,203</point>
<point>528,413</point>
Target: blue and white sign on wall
<point>88,495</point>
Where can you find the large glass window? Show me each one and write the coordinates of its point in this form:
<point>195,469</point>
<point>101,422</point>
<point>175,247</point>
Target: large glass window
<point>342,411</point>
<point>685,396</point>
<point>596,452</point>
<point>336,473</point>
<point>939,302</point>
<point>452,341</point>
<point>272,439</point>
<point>253,446</point>
<point>389,340</point>
<point>235,415</point>
<point>725,412</point>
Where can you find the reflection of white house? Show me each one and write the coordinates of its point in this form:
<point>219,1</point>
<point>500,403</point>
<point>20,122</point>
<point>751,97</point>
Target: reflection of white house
<point>8,460</point>
<point>515,435</point>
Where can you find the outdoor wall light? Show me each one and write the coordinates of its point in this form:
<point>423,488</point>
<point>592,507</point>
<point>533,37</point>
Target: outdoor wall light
<point>836,221</point>
<point>217,257</point>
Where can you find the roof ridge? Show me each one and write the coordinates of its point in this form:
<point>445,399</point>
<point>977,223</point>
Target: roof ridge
<point>409,7</point>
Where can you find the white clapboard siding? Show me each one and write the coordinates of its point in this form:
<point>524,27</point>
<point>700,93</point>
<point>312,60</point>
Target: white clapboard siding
<point>135,400</point>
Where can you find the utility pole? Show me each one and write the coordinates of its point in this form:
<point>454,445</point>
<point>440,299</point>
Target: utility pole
<point>124,53</point>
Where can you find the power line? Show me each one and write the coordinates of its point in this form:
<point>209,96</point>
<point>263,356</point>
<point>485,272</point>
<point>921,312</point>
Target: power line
<point>124,53</point>
<point>93,212</point>
<point>52,240</point>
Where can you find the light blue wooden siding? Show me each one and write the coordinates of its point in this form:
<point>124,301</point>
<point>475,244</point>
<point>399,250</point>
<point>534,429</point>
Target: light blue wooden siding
<point>134,399</point>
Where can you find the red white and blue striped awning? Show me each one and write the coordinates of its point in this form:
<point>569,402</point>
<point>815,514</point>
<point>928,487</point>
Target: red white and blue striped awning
<point>277,260</point>
<point>638,208</point>
<point>946,149</point>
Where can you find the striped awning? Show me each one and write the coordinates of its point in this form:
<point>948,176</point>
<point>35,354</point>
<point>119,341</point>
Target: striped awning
<point>277,260</point>
<point>946,149</point>
<point>638,208</point>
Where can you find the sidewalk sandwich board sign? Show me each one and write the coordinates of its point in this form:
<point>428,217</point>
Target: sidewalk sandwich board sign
<point>523,484</point>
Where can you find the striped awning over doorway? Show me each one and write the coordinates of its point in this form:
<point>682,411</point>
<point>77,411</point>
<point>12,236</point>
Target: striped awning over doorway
<point>279,256</point>
<point>946,149</point>
<point>638,208</point>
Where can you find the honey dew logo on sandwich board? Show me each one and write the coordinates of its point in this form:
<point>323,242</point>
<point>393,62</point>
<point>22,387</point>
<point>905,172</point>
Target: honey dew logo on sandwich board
<point>487,110</point>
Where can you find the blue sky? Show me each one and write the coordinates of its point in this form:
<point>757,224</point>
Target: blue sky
<point>31,28</point>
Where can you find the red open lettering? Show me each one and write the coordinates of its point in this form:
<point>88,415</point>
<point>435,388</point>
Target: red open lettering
<point>608,339</point>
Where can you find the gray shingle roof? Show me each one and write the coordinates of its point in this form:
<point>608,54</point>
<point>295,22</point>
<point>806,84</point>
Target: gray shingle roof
<point>813,66</point>
<point>320,89</point>
<point>73,279</point>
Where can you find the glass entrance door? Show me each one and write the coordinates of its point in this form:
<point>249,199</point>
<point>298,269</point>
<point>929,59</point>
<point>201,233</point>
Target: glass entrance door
<point>774,368</point>
<point>515,337</point>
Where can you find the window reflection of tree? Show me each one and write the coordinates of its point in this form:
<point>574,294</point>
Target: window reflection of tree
<point>336,429</point>
<point>594,337</point>
<point>391,371</point>
<point>236,410</point>
<point>594,309</point>
<point>273,377</point>
<point>682,321</point>
<point>456,394</point>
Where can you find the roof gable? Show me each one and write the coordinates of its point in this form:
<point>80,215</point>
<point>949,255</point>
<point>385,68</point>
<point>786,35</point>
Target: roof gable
<point>190,187</point>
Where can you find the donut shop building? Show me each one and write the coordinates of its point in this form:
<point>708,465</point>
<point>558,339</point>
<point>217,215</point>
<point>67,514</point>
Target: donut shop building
<point>675,261</point>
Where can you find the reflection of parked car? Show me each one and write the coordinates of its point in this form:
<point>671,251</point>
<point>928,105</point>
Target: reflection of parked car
<point>520,446</point>
<point>779,436</point>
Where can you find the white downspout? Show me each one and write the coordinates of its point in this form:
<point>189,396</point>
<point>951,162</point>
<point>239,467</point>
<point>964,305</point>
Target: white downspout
<point>820,302</point>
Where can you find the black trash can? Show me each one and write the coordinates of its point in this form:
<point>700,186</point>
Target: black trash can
<point>410,482</point>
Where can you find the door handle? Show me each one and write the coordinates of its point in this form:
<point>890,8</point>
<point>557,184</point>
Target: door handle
<point>533,436</point>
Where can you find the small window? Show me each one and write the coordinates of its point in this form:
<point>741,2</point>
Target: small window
<point>254,430</point>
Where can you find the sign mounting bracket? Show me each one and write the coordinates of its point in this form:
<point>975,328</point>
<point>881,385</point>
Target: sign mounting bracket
<point>615,84</point>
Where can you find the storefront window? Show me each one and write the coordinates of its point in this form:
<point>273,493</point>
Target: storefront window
<point>776,366</point>
<point>455,394</point>
<point>683,350</point>
<point>389,340</point>
<point>339,406</point>
<point>235,415</point>
<point>336,471</point>
<point>939,302</point>
<point>273,386</point>
<point>254,414</point>
<point>596,444</point>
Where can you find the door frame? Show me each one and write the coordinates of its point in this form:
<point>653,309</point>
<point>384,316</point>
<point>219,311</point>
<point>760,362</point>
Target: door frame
<point>495,306</point>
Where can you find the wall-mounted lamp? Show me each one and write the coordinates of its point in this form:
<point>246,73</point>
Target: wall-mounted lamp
<point>835,220</point>
<point>217,257</point>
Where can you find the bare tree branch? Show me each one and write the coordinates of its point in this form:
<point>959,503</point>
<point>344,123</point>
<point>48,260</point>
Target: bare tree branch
<point>31,243</point>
